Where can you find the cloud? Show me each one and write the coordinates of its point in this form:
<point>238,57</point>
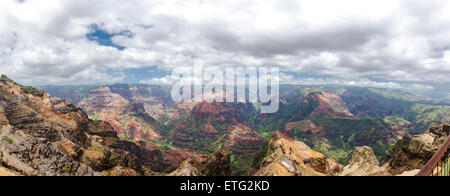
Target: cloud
<point>286,78</point>
<point>362,82</point>
<point>399,41</point>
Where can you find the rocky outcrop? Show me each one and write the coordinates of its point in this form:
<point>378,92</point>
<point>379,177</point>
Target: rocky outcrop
<point>364,163</point>
<point>121,171</point>
<point>410,173</point>
<point>335,167</point>
<point>286,157</point>
<point>329,104</point>
<point>413,152</point>
<point>47,136</point>
<point>187,168</point>
<point>31,156</point>
<point>6,172</point>
<point>217,164</point>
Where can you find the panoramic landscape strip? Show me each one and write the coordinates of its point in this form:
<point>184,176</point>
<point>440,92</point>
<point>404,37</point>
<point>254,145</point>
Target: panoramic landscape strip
<point>225,97</point>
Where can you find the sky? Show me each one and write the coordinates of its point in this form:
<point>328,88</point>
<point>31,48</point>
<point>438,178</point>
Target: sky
<point>381,43</point>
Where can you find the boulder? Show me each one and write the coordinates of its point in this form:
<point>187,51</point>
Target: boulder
<point>6,172</point>
<point>335,167</point>
<point>287,157</point>
<point>410,173</point>
<point>218,164</point>
<point>187,168</point>
<point>123,171</point>
<point>364,163</point>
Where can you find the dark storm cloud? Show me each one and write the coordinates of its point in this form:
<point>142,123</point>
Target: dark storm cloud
<point>341,38</point>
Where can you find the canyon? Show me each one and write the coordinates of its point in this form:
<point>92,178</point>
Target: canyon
<point>136,129</point>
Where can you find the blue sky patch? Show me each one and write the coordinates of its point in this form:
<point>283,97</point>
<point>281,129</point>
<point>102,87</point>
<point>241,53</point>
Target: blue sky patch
<point>104,38</point>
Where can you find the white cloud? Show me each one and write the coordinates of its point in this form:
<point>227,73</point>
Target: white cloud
<point>44,41</point>
<point>363,82</point>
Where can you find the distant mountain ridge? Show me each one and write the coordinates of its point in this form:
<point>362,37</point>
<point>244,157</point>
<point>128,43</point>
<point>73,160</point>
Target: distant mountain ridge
<point>332,120</point>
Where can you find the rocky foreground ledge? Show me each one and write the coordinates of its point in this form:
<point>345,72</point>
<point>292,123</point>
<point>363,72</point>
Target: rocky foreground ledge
<point>41,135</point>
<point>408,156</point>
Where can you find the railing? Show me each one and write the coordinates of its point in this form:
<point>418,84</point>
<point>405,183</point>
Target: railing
<point>439,165</point>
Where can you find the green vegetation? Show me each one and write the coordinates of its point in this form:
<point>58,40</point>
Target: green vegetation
<point>106,172</point>
<point>130,139</point>
<point>95,148</point>
<point>308,91</point>
<point>90,113</point>
<point>7,139</point>
<point>339,155</point>
<point>266,135</point>
<point>33,91</point>
<point>25,89</point>
<point>164,144</point>
<point>346,144</point>
<point>378,111</point>
<point>239,163</point>
<point>446,170</point>
<point>4,78</point>
<point>217,145</point>
<point>425,113</point>
<point>346,134</point>
<point>98,130</point>
<point>66,166</point>
<point>397,94</point>
<point>96,116</point>
<point>234,163</point>
<point>394,121</point>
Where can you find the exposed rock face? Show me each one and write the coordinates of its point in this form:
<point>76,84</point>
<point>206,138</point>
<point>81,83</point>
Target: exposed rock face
<point>129,119</point>
<point>217,165</point>
<point>410,173</point>
<point>413,152</point>
<point>364,163</point>
<point>121,171</point>
<point>286,157</point>
<point>6,172</point>
<point>335,167</point>
<point>212,126</point>
<point>29,156</point>
<point>311,105</point>
<point>137,113</point>
<point>187,168</point>
<point>330,105</point>
<point>304,125</point>
<point>323,121</point>
<point>47,136</point>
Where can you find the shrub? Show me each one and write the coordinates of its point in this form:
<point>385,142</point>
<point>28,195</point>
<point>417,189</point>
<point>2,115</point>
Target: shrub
<point>25,89</point>
<point>4,78</point>
<point>33,91</point>
<point>7,139</point>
